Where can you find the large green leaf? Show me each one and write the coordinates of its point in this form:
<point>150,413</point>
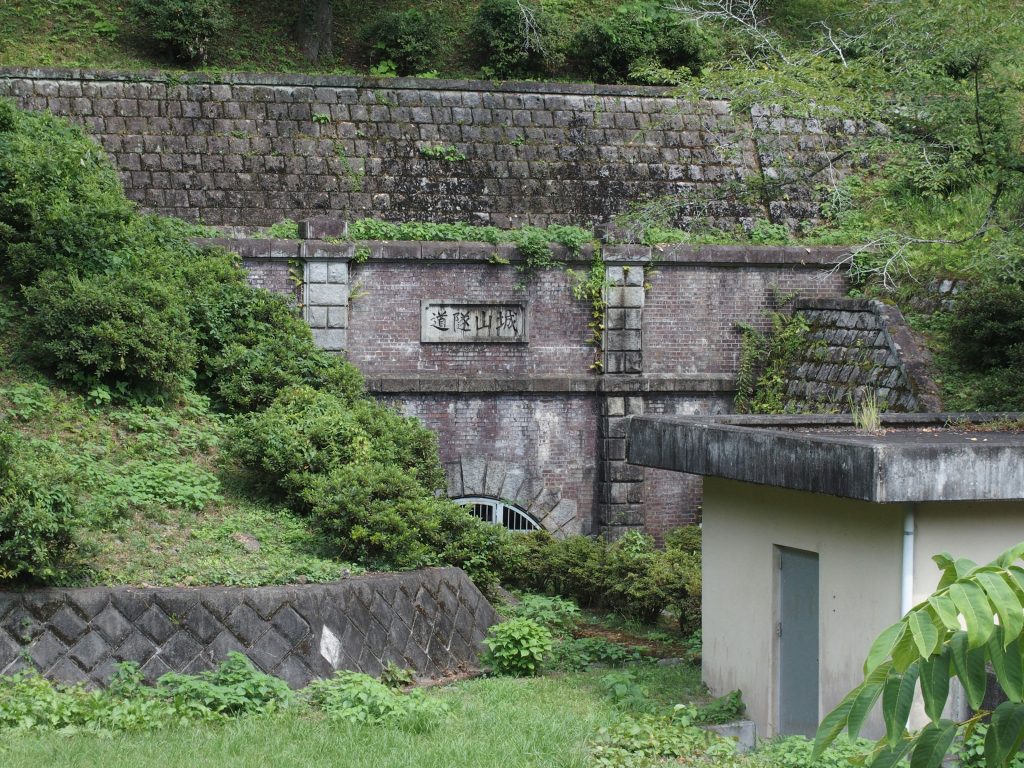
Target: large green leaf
<point>935,674</point>
<point>933,744</point>
<point>947,565</point>
<point>892,754</point>
<point>834,723</point>
<point>870,690</point>
<point>905,653</point>
<point>925,635</point>
<point>970,600</point>
<point>1007,663</point>
<point>969,664</point>
<point>1005,734</point>
<point>1010,556</point>
<point>881,649</point>
<point>897,698</point>
<point>946,610</point>
<point>1006,603</point>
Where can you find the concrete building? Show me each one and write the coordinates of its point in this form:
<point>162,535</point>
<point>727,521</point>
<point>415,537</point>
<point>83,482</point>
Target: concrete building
<point>818,536</point>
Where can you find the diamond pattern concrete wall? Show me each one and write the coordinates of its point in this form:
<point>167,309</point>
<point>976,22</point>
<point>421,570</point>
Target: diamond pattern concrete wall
<point>430,621</point>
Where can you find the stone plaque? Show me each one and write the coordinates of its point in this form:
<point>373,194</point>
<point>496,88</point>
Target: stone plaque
<point>457,321</point>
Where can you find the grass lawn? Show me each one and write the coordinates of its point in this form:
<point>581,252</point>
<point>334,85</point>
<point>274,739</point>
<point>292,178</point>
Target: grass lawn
<point>510,722</point>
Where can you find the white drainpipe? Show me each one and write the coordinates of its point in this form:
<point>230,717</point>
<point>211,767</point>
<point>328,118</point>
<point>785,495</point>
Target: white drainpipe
<point>907,570</point>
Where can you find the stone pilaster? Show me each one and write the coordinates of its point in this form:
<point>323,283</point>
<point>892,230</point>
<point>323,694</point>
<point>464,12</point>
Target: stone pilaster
<point>621,485</point>
<point>325,295</point>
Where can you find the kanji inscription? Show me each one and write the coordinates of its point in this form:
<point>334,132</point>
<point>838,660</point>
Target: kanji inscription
<point>463,321</point>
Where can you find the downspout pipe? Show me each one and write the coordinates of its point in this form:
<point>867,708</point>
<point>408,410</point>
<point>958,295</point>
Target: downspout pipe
<point>907,568</point>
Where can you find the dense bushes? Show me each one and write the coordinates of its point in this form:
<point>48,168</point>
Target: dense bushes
<point>639,35</point>
<point>987,339</point>
<point>628,576</point>
<point>185,28</point>
<point>513,39</point>
<point>35,518</point>
<point>409,39</point>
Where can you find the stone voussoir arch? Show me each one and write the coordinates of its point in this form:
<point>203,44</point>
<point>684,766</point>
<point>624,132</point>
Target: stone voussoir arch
<point>511,483</point>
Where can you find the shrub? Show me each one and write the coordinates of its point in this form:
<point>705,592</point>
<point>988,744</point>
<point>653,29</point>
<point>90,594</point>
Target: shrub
<point>631,588</point>
<point>306,433</point>
<point>185,28</point>
<point>517,647</point>
<point>253,344</point>
<point>677,576</point>
<point>686,538</point>
<point>412,39</point>
<point>36,519</point>
<point>376,514</point>
<point>514,39</point>
<point>61,203</point>
<point>235,687</point>
<point>121,328</point>
<point>358,698</point>
<point>576,654</point>
<point>556,613</point>
<point>639,33</point>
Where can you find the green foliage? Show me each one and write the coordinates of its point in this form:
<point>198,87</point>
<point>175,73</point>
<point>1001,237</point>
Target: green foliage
<point>635,37</point>
<point>556,613</point>
<point>286,229</point>
<point>515,39</point>
<point>986,339</point>
<point>517,647</point>
<point>724,709</point>
<point>61,204</point>
<point>234,688</point>
<point>970,753</point>
<point>928,647</point>
<point>641,740</point>
<point>579,653</point>
<point>795,752</point>
<point>446,152</point>
<point>409,39</point>
<point>122,330</point>
<point>686,538</point>
<point>358,698</point>
<point>765,359</point>
<point>630,587</point>
<point>185,28</point>
<point>36,518</point>
<point>307,433</point>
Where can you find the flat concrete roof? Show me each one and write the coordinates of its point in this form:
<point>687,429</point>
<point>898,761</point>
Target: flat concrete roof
<point>914,457</point>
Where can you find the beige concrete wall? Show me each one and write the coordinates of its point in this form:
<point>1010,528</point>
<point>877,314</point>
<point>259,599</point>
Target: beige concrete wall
<point>977,530</point>
<point>859,548</point>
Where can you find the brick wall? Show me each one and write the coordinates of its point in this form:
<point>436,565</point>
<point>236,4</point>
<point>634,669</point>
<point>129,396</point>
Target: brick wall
<point>535,423</point>
<point>253,149</point>
<point>691,311</point>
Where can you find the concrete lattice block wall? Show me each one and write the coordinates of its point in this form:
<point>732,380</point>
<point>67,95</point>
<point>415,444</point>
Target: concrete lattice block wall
<point>431,621</point>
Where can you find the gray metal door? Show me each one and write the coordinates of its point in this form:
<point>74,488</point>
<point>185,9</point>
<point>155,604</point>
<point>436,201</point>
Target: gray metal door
<point>798,642</point>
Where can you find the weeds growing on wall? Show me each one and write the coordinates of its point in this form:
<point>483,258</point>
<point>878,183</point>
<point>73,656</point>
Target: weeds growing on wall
<point>765,361</point>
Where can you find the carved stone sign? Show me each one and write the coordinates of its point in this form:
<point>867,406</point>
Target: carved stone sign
<point>451,320</point>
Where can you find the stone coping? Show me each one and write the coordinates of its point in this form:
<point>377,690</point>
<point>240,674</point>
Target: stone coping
<point>607,383</point>
<point>468,251</point>
<point>341,81</point>
<point>918,457</point>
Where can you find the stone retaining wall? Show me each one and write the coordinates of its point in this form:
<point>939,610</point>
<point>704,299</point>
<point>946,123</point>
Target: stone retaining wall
<point>254,149</point>
<point>430,621</point>
<point>856,347</point>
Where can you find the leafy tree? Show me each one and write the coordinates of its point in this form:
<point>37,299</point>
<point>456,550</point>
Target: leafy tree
<point>973,619</point>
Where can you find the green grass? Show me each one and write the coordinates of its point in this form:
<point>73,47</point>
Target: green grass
<point>493,723</point>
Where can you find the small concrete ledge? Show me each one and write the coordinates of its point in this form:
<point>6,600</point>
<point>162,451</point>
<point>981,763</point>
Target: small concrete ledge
<point>744,731</point>
<point>916,457</point>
